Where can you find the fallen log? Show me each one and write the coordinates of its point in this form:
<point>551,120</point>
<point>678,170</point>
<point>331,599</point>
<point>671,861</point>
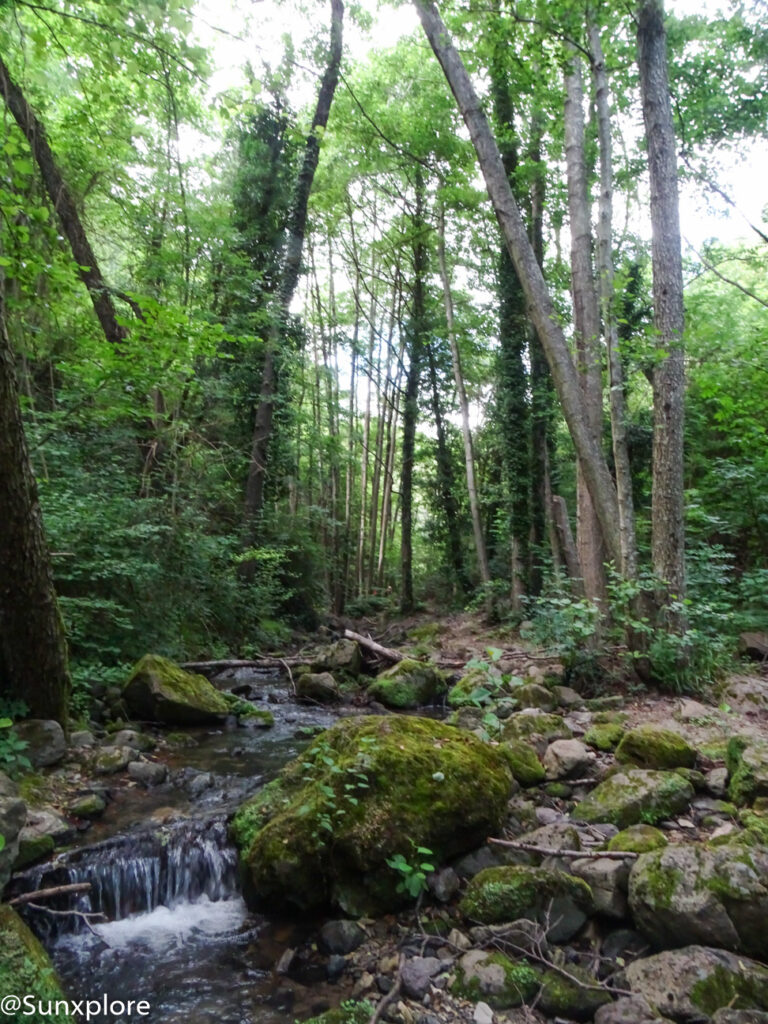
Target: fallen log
<point>551,851</point>
<point>370,645</point>
<point>56,890</point>
<point>213,667</point>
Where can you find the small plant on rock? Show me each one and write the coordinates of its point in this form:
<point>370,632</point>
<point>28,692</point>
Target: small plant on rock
<point>414,872</point>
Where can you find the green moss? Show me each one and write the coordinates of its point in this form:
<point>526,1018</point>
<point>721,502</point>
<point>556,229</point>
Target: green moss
<point>576,1000</point>
<point>522,727</point>
<point>32,850</point>
<point>524,762</point>
<point>26,971</point>
<point>648,746</point>
<point>558,790</point>
<point>508,893</point>
<point>638,839</point>
<point>160,690</point>
<point>409,684</point>
<point>364,791</point>
<point>244,709</point>
<point>180,739</point>
<point>604,737</point>
<point>521,983</point>
<point>636,796</point>
<point>722,987</point>
<point>655,882</point>
<point>747,762</point>
<point>350,1012</point>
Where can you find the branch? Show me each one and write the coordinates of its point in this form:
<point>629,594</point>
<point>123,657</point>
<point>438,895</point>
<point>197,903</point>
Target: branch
<point>57,890</point>
<point>713,269</point>
<point>370,645</point>
<point>390,997</point>
<point>550,851</point>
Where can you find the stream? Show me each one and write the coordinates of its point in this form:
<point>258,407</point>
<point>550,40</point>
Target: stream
<point>163,873</point>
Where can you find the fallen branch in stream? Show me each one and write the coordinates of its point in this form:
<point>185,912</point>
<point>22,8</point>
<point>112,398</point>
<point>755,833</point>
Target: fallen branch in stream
<point>370,645</point>
<point>56,890</point>
<point>551,851</point>
<point>211,667</point>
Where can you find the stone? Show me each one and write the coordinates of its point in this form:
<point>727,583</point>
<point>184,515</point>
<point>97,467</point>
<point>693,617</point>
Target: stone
<point>627,1010</point>
<point>634,796</point>
<point>638,839</point>
<point>423,783</point>
<point>25,970</point>
<point>44,821</point>
<point>318,686</point>
<point>13,815</point>
<point>148,773</point>
<point>568,759</point>
<point>604,736</point>
<point>717,782</point>
<point>475,687</point>
<point>483,1014</point>
<point>577,999</point>
<point>444,884</point>
<point>131,738</point>
<point>496,979</point>
<point>33,850</point>
<point>524,762</point>
<point>608,879</point>
<point>559,835</point>
<point>409,684</point>
<point>417,973</point>
<point>46,743</point>
<point>649,746</point>
<point>160,691</point>
<point>537,728</point>
<point>534,695</point>
<point>747,762</point>
<point>693,983</point>
<point>754,645</point>
<point>508,893</point>
<point>567,697</point>
<point>688,894</point>
<point>336,966</point>
<point>111,760</point>
<point>90,805</point>
<point>83,738</point>
<point>729,1016</point>
<point>746,693</point>
<point>341,936</point>
<point>690,710</point>
<point>343,656</point>
<point>198,783</point>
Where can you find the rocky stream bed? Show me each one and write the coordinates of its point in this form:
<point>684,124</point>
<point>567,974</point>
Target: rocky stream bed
<point>251,846</point>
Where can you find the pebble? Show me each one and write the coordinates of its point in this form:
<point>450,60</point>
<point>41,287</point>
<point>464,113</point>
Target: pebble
<point>483,1014</point>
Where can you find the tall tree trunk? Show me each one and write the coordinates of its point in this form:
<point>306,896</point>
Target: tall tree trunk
<point>446,482</point>
<point>33,648</point>
<point>668,531</point>
<point>461,391</point>
<point>610,323</point>
<point>541,307</point>
<point>289,276</point>
<point>586,319</point>
<point>66,209</point>
<point>417,331</point>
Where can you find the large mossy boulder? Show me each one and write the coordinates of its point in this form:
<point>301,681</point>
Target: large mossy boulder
<point>409,684</point>
<point>538,728</point>
<point>649,746</point>
<point>509,893</point>
<point>693,983</point>
<point>524,762</point>
<point>159,691</point>
<point>634,796</point>
<point>25,970</point>
<point>366,790</point>
<point>342,658</point>
<point>747,761</point>
<point>693,894</point>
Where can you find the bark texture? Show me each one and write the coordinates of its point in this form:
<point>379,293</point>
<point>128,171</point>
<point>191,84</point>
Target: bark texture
<point>667,541</point>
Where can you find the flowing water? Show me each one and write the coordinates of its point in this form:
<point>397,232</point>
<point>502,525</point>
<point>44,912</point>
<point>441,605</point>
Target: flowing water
<point>175,930</point>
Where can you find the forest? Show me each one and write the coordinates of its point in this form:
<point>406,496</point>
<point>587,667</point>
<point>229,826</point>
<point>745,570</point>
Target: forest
<point>383,536</point>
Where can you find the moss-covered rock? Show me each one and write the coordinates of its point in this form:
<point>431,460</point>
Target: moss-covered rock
<point>534,695</point>
<point>539,729</point>
<point>26,971</point>
<point>409,684</point>
<point>524,762</point>
<point>575,1000</point>
<point>247,711</point>
<point>747,762</point>
<point>368,789</point>
<point>318,686</point>
<point>604,736</point>
<point>342,658</point>
<point>634,796</point>
<point>648,746</point>
<point>350,1012</point>
<point>32,850</point>
<point>497,980</point>
<point>160,691</point>
<point>474,689</point>
<point>509,893</point>
<point>638,839</point>
<point>691,893</point>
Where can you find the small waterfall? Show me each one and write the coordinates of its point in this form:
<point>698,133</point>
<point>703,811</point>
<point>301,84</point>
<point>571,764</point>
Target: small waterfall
<point>135,874</point>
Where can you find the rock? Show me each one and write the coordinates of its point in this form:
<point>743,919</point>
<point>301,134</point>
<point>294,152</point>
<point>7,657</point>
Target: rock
<point>608,879</point>
<point>567,697</point>
<point>341,936</point>
<point>560,835</point>
<point>534,695</point>
<point>46,743</point>
<point>33,850</point>
<point>478,860</point>
<point>688,893</point>
<point>90,805</point>
<point>693,983</point>
<point>43,821</point>
<point>343,656</point>
<point>318,686</point>
<point>500,981</point>
<point>131,738</point>
<point>26,970</point>
<point>111,760</point>
<point>417,973</point>
<point>754,645</point>
<point>636,795</point>
<point>649,746</point>
<point>409,684</point>
<point>747,762</point>
<point>746,693</point>
<point>638,839</point>
<point>444,884</point>
<point>516,891</point>
<point>421,783</point>
<point>13,814</point>
<point>160,691</point>
<point>538,728</point>
<point>627,1010</point>
<point>82,738</point>
<point>717,782</point>
<point>524,762</point>
<point>690,710</point>
<point>148,773</point>
<point>483,1014</point>
<point>575,1000</point>
<point>568,759</point>
<point>336,966</point>
<point>728,1016</point>
<point>625,943</point>
<point>604,735</point>
<point>474,688</point>
<point>198,783</point>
